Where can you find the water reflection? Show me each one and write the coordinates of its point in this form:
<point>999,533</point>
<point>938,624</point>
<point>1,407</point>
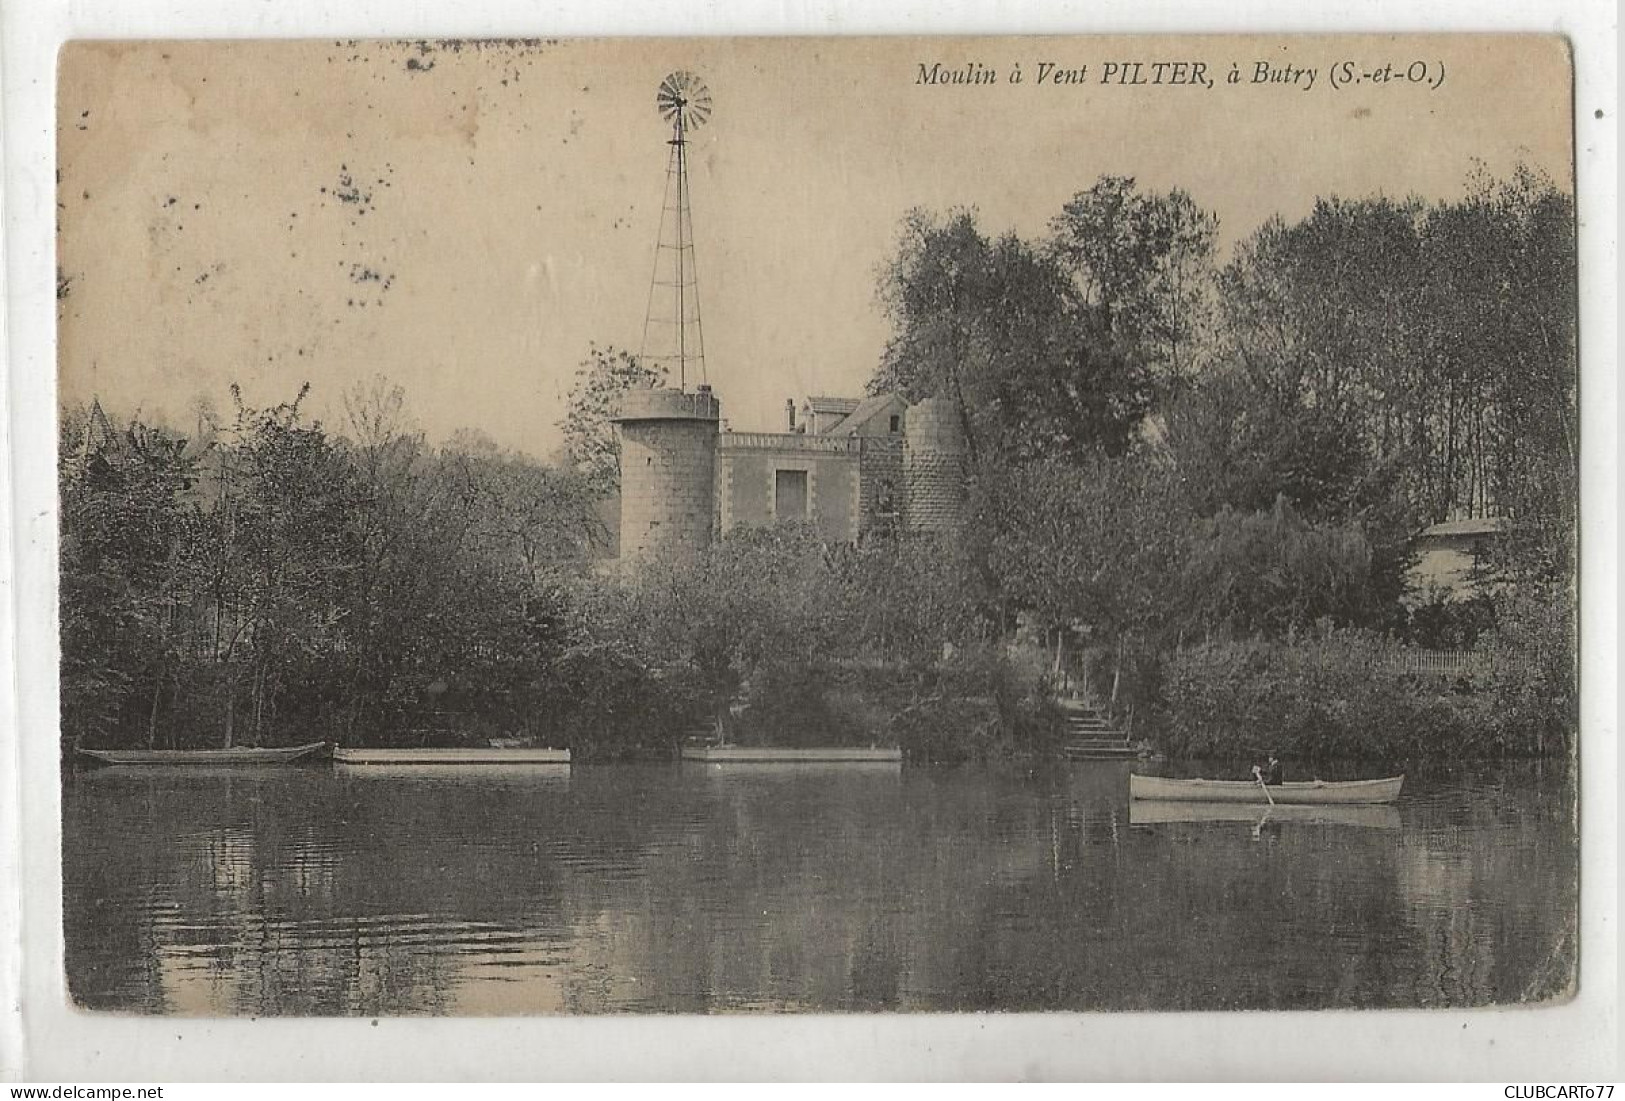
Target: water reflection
<point>689,888</point>
<point>1161,813</point>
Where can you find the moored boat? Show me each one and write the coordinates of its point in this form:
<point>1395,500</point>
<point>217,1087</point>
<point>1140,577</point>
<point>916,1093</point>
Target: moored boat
<point>468,755</point>
<point>242,755</point>
<point>1303,792</point>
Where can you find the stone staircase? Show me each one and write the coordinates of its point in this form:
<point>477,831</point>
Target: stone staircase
<point>1091,736</point>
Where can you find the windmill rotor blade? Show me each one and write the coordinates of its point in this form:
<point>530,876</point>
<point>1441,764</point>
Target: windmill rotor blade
<point>683,98</point>
<point>699,106</point>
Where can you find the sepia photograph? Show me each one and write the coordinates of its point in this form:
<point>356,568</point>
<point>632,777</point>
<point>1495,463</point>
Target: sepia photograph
<point>817,525</point>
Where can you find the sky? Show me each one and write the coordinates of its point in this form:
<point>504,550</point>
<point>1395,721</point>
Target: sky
<point>468,219</point>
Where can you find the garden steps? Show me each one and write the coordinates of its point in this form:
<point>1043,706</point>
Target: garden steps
<point>1091,735</point>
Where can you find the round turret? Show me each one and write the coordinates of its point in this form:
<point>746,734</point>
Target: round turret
<point>934,462</point>
<point>668,470</point>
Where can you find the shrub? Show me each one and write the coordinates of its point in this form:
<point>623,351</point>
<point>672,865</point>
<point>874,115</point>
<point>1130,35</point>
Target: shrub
<point>1355,694</point>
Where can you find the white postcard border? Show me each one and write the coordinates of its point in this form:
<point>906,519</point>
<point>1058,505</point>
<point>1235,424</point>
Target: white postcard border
<point>50,1041</point>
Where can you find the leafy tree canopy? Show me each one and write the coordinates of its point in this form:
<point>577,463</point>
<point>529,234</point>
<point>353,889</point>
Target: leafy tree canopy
<point>589,433</point>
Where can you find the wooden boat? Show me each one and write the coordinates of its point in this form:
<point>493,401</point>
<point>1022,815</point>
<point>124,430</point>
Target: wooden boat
<point>289,755</point>
<point>1158,812</point>
<point>768,754</point>
<point>469,755</point>
<point>1314,792</point>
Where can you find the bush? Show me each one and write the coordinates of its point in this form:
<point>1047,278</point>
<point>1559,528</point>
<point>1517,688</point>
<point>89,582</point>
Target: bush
<point>1354,694</point>
<point>792,704</point>
<point>1443,622</point>
<point>980,705</point>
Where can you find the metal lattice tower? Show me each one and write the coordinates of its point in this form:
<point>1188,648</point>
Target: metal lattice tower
<point>671,327</point>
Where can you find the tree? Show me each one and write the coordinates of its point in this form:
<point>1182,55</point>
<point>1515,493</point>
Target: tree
<point>1317,369</point>
<point>1091,547</point>
<point>589,433</point>
<point>996,327</point>
<point>900,601</point>
<point>1273,572</point>
<point>534,517</point>
<point>129,572</point>
<point>289,549</point>
<point>1396,364</point>
<point>1512,300</point>
<point>402,547</point>
<point>1143,263</point>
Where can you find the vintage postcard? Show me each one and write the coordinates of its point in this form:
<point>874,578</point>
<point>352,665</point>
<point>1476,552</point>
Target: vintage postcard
<point>701,526</point>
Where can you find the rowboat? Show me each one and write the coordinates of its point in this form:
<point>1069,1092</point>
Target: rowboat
<point>1160,812</point>
<point>288,755</point>
<point>467,755</point>
<point>1250,791</point>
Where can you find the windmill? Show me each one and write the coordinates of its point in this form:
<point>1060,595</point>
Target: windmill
<point>671,325</point>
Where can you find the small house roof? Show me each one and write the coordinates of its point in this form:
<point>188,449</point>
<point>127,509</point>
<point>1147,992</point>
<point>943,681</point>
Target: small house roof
<point>862,413</point>
<point>831,405</point>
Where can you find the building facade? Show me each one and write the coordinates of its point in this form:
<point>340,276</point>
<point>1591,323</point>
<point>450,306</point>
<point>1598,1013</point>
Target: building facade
<point>1450,556</point>
<point>851,469</point>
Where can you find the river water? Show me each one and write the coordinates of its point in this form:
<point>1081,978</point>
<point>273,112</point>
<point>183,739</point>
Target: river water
<point>695,888</point>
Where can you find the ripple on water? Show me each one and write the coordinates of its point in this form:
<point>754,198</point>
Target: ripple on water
<point>649,889</point>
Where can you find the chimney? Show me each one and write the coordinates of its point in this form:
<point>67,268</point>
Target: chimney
<point>790,414</point>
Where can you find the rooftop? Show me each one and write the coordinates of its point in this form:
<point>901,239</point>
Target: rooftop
<point>861,412</point>
<point>831,405</point>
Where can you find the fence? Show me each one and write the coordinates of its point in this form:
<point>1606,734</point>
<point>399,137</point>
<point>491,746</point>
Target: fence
<point>1443,663</point>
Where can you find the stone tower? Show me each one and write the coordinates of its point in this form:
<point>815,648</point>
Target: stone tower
<point>668,471</point>
<point>934,466</point>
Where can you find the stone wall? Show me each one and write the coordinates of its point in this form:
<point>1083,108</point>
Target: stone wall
<point>668,471</point>
<point>933,466</point>
<point>881,495</point>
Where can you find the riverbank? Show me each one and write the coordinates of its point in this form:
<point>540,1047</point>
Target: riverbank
<point>1354,695</point>
<point>1348,695</point>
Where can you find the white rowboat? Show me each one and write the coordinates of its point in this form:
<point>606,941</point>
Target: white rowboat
<point>1306,792</point>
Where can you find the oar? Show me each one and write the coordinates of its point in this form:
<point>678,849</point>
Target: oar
<point>1258,774</point>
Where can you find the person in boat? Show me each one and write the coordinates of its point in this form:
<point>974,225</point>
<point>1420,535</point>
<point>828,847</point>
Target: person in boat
<point>1268,773</point>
